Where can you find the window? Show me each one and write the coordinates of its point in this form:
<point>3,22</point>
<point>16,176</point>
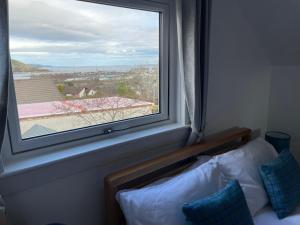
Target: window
<point>83,69</point>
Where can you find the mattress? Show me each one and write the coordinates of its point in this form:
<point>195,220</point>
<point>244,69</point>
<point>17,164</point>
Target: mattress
<point>268,217</point>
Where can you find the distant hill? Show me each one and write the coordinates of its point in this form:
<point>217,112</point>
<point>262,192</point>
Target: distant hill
<point>18,66</point>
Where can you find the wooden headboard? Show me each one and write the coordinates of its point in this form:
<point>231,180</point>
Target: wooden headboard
<point>166,165</point>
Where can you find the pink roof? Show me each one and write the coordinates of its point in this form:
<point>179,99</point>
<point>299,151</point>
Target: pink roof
<point>45,109</point>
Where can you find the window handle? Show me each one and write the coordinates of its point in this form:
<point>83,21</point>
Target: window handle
<point>108,131</point>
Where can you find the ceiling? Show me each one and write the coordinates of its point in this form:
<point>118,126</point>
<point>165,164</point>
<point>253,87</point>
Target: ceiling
<point>277,25</point>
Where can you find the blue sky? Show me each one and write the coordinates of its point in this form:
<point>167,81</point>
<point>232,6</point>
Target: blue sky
<point>74,33</point>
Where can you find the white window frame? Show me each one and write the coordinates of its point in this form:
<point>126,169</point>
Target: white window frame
<point>169,104</point>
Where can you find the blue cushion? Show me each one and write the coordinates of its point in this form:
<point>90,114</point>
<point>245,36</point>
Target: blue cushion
<point>226,207</point>
<point>281,178</point>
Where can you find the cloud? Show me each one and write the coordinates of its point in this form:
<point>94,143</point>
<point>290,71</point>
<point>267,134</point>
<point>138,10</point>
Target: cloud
<point>66,27</point>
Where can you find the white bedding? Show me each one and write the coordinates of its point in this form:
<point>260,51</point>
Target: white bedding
<point>267,216</point>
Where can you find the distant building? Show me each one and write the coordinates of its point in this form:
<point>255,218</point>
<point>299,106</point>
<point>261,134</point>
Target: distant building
<point>92,93</point>
<point>83,93</point>
<point>86,92</point>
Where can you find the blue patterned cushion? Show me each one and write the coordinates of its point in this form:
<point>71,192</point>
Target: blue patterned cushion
<point>226,207</point>
<point>281,179</point>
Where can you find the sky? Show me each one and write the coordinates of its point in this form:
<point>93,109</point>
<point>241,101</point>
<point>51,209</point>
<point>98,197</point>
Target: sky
<point>74,33</point>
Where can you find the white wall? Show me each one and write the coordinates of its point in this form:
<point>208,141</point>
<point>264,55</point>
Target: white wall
<point>238,96</point>
<point>284,113</point>
<point>239,79</point>
<point>276,23</point>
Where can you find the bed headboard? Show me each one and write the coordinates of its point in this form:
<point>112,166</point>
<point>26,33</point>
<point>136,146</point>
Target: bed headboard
<point>166,165</point>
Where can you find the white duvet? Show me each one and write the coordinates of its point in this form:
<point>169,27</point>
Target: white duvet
<point>267,216</point>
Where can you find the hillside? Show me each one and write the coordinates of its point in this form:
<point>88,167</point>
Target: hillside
<point>18,66</point>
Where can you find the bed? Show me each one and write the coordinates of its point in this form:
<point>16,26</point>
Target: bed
<point>174,163</point>
<point>268,217</point>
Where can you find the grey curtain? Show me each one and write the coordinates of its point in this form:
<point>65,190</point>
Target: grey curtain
<point>4,68</point>
<point>193,19</point>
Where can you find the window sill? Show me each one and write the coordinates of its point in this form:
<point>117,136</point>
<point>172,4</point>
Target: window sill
<point>73,160</point>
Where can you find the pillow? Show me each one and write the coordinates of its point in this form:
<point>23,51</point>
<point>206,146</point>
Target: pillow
<point>243,165</point>
<point>200,161</point>
<point>226,207</point>
<point>281,178</point>
<point>161,204</point>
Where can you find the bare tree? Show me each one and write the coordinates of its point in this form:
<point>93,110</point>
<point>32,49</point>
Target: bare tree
<point>104,110</point>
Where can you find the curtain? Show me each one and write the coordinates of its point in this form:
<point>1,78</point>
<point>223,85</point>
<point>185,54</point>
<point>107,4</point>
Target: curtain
<point>193,18</point>
<point>4,78</point>
<point>4,69</point>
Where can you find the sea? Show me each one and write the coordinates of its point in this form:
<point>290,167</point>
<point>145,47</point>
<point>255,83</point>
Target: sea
<point>62,69</point>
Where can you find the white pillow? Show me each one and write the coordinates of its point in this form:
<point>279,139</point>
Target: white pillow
<point>162,204</point>
<point>243,165</point>
<point>202,159</point>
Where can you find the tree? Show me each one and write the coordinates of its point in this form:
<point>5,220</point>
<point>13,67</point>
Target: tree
<point>124,90</point>
<point>103,110</point>
<point>61,88</point>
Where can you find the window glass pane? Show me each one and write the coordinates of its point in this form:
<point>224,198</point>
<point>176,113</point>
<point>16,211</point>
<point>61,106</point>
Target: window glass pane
<point>78,64</point>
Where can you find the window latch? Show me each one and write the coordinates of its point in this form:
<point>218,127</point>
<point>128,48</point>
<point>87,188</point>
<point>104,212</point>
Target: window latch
<point>108,131</point>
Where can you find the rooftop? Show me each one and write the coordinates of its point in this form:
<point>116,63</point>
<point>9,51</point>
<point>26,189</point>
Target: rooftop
<point>55,108</point>
<point>36,90</point>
